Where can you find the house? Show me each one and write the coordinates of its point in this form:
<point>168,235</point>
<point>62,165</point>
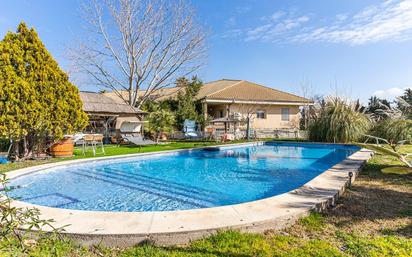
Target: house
<point>225,101</point>
<point>107,115</point>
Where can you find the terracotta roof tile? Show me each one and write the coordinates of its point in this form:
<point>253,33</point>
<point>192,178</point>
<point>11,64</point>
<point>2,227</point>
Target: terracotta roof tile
<point>245,90</point>
<point>225,89</point>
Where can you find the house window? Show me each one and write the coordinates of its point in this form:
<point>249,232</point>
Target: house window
<point>221,114</point>
<point>261,114</point>
<point>285,114</point>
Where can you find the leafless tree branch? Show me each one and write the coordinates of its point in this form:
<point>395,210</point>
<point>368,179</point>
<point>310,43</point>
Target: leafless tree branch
<point>137,45</point>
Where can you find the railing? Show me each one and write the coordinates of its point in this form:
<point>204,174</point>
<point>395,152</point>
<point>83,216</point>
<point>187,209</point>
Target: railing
<point>259,133</point>
<point>281,133</point>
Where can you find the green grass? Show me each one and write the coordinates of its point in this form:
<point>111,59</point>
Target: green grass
<point>315,221</point>
<point>376,246</point>
<point>113,150</point>
<point>371,219</point>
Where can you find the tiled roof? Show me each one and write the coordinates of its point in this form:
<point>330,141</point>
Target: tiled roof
<point>216,86</point>
<point>249,91</point>
<point>226,89</point>
<point>99,103</point>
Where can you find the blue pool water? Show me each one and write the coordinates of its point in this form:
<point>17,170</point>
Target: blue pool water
<point>180,180</point>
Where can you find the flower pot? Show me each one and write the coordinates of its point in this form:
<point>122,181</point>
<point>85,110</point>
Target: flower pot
<point>63,148</point>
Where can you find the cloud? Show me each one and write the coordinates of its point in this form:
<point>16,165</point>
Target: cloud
<point>341,17</point>
<point>233,33</point>
<point>270,31</point>
<point>390,20</point>
<point>276,15</point>
<point>389,93</point>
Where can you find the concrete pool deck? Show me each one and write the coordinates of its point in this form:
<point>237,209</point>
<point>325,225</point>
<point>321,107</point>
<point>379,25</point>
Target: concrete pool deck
<point>179,227</point>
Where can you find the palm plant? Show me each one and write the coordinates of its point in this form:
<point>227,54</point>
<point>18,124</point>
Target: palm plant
<point>337,120</point>
<point>393,131</point>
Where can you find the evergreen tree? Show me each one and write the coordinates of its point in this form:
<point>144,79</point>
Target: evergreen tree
<point>376,103</point>
<point>407,96</point>
<point>186,100</point>
<point>36,98</point>
<point>406,107</point>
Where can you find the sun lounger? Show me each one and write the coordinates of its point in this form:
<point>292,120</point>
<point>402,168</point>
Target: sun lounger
<point>131,132</point>
<point>137,140</point>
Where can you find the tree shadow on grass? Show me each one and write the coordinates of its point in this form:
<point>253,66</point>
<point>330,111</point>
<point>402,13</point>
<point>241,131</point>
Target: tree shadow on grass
<point>393,174</point>
<point>382,197</point>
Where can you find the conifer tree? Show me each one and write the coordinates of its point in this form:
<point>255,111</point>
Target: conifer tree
<point>36,98</point>
<point>186,99</point>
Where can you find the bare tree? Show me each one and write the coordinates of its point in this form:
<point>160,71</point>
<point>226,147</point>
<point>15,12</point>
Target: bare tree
<point>136,45</point>
<point>307,92</point>
<point>247,113</point>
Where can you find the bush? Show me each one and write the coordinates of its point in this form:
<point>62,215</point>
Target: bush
<point>393,131</point>
<point>13,239</point>
<point>160,121</point>
<point>4,145</point>
<point>338,121</point>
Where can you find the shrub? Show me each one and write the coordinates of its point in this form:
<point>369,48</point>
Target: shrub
<point>339,121</point>
<point>393,131</point>
<point>160,121</point>
<point>13,219</point>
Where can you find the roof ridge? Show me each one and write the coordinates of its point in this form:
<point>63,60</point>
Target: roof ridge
<point>91,92</point>
<point>221,80</point>
<point>227,87</point>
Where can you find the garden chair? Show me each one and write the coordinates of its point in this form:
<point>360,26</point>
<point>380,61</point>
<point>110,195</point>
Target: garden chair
<point>130,133</point>
<point>93,140</point>
<point>189,128</point>
<point>136,139</point>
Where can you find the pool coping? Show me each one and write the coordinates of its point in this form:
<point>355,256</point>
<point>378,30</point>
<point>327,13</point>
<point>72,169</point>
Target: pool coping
<point>180,227</point>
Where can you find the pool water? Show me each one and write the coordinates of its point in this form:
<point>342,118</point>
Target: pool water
<point>180,180</point>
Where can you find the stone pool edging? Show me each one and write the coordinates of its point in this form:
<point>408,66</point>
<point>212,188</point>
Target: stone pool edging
<point>179,227</point>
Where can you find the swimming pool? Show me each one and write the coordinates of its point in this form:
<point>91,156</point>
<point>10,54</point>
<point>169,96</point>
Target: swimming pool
<point>180,180</point>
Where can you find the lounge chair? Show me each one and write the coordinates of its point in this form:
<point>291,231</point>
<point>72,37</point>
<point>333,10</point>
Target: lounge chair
<point>137,139</point>
<point>189,128</point>
<point>130,132</point>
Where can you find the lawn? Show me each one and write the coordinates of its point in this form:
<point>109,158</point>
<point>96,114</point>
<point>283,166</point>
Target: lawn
<point>112,150</point>
<point>372,218</point>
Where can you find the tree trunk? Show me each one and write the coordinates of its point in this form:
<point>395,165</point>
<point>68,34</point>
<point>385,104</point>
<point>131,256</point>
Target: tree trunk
<point>158,137</point>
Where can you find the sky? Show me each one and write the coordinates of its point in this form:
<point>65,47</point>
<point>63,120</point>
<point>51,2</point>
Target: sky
<point>348,47</point>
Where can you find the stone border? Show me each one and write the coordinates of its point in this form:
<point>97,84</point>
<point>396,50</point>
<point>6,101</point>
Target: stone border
<point>179,227</point>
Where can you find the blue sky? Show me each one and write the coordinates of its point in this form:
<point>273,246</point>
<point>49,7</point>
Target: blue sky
<point>355,48</point>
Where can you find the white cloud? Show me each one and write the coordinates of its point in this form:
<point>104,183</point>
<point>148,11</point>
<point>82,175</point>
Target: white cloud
<point>233,33</point>
<point>390,20</point>
<point>389,93</point>
<point>270,31</point>
<point>341,17</point>
<point>276,15</point>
